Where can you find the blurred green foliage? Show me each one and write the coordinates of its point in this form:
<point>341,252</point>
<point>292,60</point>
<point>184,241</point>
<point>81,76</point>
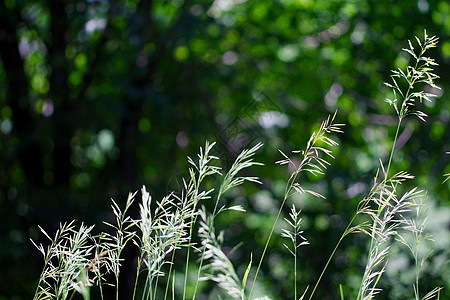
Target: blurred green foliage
<point>99,97</point>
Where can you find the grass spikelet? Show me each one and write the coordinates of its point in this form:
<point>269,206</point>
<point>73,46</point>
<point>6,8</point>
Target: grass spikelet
<point>294,233</point>
<point>113,244</point>
<point>68,255</point>
<point>162,231</point>
<point>386,226</point>
<point>243,161</point>
<point>414,78</point>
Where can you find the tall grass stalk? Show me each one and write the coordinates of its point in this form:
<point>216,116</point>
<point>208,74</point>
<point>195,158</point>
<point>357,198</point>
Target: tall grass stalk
<point>231,180</point>
<point>170,226</point>
<point>191,199</point>
<point>220,269</point>
<point>311,162</point>
<point>113,245</point>
<point>421,72</point>
<point>162,232</point>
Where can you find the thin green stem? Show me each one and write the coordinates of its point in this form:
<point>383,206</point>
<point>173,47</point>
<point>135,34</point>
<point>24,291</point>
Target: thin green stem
<point>295,264</point>
<point>331,256</point>
<point>72,295</point>
<point>99,275</point>
<point>150,288</point>
<point>101,289</point>
<point>170,273</point>
<point>146,286</point>
<point>380,208</point>
<point>266,246</point>
<point>393,147</point>
<point>137,277</point>
<point>156,287</point>
<point>417,268</point>
<point>173,286</point>
<point>325,268</point>
<point>287,194</point>
<point>117,287</point>
<point>417,280</point>
<point>187,259</point>
<point>204,249</point>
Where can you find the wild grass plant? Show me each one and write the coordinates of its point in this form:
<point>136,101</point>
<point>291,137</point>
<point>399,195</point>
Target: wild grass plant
<point>65,260</point>
<point>390,208</point>
<point>297,239</point>
<point>178,225</point>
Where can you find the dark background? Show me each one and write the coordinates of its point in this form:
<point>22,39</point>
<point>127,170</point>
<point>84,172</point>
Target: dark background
<point>98,98</point>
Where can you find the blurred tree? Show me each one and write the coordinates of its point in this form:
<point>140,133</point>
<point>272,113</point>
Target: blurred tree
<point>99,97</point>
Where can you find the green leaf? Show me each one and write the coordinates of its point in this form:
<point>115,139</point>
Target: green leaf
<point>244,280</point>
<point>304,293</point>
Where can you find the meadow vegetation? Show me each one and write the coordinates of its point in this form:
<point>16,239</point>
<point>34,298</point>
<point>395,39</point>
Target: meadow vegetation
<point>78,260</point>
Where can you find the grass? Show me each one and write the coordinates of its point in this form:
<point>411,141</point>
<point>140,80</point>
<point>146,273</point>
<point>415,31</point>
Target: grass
<point>179,226</point>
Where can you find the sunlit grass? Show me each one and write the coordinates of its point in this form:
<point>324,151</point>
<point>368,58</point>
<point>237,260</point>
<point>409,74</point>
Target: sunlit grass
<point>77,260</point>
